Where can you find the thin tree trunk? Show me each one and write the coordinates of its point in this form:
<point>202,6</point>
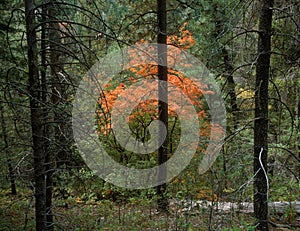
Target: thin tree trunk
<point>219,23</point>
<point>36,117</point>
<point>61,93</point>
<point>261,117</point>
<point>47,132</point>
<point>231,88</point>
<point>56,89</point>
<point>162,103</point>
<point>8,158</point>
<point>230,83</point>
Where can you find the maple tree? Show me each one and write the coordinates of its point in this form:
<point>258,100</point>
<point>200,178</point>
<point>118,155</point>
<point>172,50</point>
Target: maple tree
<point>147,110</point>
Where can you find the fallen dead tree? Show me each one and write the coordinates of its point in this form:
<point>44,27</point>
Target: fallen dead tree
<point>245,207</point>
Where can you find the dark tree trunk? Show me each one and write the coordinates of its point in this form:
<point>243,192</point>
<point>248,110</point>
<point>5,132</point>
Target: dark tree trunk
<point>218,13</point>
<point>6,149</point>
<point>162,103</point>
<point>61,93</point>
<point>36,117</point>
<point>56,88</point>
<point>220,25</point>
<point>47,132</point>
<point>261,116</point>
<point>231,88</point>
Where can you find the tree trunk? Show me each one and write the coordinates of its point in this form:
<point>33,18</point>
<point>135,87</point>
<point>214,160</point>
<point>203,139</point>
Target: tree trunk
<point>62,89</point>
<point>8,158</point>
<point>220,25</point>
<point>230,84</point>
<point>36,117</point>
<point>231,87</point>
<point>56,88</point>
<point>162,103</point>
<point>261,117</point>
<point>47,131</point>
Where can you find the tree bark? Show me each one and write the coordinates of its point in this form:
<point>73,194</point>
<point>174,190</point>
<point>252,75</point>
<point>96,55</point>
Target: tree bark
<point>231,88</point>
<point>47,131</point>
<point>162,103</point>
<point>8,158</point>
<point>261,117</point>
<point>36,117</point>
<point>56,88</point>
<point>62,90</point>
<point>228,66</point>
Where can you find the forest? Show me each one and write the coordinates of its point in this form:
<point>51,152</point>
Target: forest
<point>150,115</point>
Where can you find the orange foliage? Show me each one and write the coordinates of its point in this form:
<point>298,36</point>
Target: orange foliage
<point>184,41</point>
<point>108,97</point>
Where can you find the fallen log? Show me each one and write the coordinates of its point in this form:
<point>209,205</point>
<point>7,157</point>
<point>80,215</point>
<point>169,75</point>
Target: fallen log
<point>245,207</point>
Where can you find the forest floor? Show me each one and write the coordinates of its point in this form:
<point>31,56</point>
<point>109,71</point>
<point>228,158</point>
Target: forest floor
<point>17,213</point>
